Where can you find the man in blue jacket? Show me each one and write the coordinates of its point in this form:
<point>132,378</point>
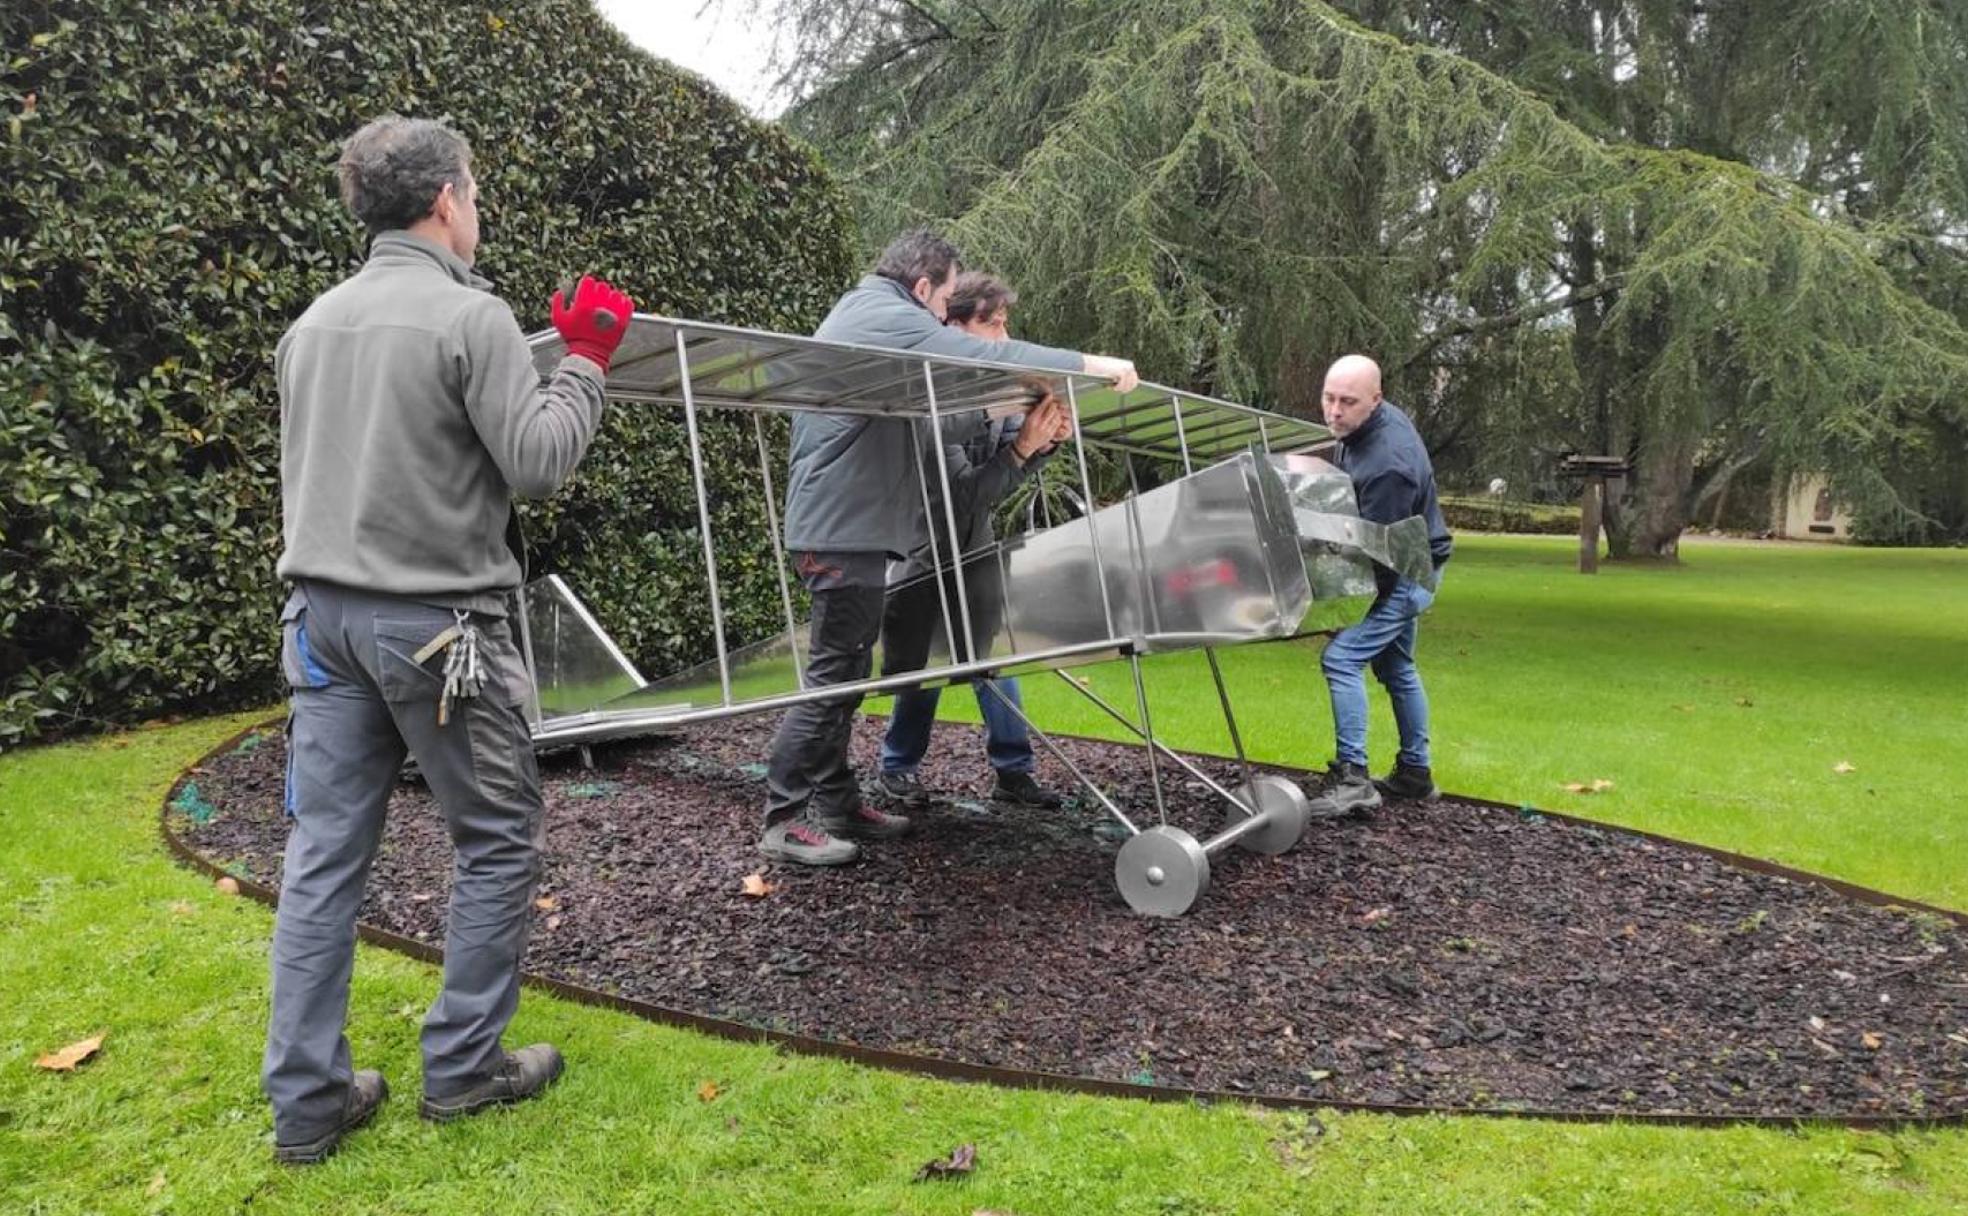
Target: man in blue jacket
<point>852,503</point>
<point>1393,480</point>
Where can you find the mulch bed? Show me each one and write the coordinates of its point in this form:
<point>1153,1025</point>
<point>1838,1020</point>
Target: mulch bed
<point>1451,955</point>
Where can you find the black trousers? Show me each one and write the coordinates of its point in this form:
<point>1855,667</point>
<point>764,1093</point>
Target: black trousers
<point>809,763</point>
<point>912,619</point>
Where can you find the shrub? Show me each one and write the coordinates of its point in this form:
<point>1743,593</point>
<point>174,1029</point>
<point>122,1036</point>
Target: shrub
<point>1491,515</point>
<point>167,207</point>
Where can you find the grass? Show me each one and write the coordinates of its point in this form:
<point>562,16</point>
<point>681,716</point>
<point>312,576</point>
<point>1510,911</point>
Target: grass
<point>100,931</point>
<point>1718,697</point>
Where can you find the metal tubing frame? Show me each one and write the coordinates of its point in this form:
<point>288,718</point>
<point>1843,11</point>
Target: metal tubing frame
<point>704,515</point>
<point>1086,783</point>
<point>778,551</point>
<point>1086,488</point>
<point>1243,827</point>
<point>1209,652</point>
<point>1181,761</point>
<point>950,519</point>
<point>567,727</point>
<point>1138,558</point>
<point>1148,733</point>
<point>935,571</point>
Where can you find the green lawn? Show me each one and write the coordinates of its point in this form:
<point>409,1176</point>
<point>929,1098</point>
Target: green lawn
<point>1717,697</point>
<point>1845,655</point>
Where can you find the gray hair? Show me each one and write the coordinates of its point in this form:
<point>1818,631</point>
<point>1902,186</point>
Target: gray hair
<point>393,169</point>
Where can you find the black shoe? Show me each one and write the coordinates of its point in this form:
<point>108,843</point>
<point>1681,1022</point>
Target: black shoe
<point>1346,790</point>
<point>522,1075</point>
<point>1020,789</point>
<point>1408,783</point>
<point>861,822</point>
<point>903,789</point>
<point>366,1092</point>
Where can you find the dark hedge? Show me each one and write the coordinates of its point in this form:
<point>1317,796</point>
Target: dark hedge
<point>167,207</point>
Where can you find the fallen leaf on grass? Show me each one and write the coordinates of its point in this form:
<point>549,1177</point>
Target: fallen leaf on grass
<point>156,1186</point>
<point>1844,766</point>
<point>962,1160</point>
<point>181,907</point>
<point>756,886</point>
<point>1598,785</point>
<point>68,1057</point>
<point>228,885</point>
<point>707,1092</point>
<point>1745,703</point>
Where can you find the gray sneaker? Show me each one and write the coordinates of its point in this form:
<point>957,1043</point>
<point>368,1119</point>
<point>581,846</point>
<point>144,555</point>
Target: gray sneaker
<point>1408,783</point>
<point>1346,790</point>
<point>522,1075</point>
<point>861,822</point>
<point>903,789</point>
<point>366,1092</point>
<point>804,842</point>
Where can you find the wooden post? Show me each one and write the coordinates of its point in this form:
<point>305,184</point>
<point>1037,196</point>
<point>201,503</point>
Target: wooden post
<point>1589,509</point>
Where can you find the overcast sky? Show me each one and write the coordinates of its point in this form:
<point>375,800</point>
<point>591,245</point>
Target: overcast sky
<point>715,40</point>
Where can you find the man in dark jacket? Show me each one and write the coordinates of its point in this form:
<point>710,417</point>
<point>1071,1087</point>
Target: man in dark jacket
<point>1016,442</point>
<point>852,503</point>
<point>1393,480</point>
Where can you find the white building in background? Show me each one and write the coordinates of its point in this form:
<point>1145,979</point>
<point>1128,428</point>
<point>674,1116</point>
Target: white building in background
<point>1803,509</point>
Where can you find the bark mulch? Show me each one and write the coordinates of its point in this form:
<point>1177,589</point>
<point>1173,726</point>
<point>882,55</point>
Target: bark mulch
<point>1450,955</point>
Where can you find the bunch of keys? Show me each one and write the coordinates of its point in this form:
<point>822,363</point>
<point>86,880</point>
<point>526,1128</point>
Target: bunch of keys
<point>462,675</point>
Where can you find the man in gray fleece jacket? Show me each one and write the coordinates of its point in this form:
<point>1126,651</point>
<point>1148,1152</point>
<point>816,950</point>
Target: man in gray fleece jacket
<point>852,502</point>
<point>410,414</point>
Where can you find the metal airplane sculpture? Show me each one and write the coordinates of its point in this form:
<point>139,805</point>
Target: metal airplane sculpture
<point>1249,537</point>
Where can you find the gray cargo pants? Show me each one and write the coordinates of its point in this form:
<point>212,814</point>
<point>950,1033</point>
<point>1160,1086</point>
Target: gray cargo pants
<point>359,702</point>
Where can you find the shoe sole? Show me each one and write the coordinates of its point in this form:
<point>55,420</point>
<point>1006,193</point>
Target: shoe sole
<point>1434,795</point>
<point>1326,808</point>
<point>1043,804</point>
<point>435,1113</point>
<point>802,858</point>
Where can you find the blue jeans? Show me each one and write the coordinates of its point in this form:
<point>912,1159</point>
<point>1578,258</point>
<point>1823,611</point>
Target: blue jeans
<point>1385,638</point>
<point>1006,741</point>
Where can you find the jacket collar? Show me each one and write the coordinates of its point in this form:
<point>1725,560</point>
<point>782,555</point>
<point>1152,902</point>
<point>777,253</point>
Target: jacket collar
<point>1374,422</point>
<point>875,282</point>
<point>399,246</point>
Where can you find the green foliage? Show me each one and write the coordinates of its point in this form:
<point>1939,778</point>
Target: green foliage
<point>1580,249</point>
<point>1494,515</point>
<point>167,207</point>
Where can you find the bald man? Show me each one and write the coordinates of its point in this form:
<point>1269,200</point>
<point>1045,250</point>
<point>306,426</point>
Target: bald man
<point>1392,479</point>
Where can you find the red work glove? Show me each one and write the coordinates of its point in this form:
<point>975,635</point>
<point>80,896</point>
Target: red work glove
<point>594,323</point>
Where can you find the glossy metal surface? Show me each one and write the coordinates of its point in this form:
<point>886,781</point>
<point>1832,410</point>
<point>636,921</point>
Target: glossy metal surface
<point>1162,871</point>
<point>1340,548</point>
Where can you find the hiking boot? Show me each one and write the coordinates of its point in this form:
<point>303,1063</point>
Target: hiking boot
<point>800,840</point>
<point>862,822</point>
<point>1408,783</point>
<point>1346,790</point>
<point>366,1092</point>
<point>521,1075</point>
<point>903,789</point>
<point>1019,789</point>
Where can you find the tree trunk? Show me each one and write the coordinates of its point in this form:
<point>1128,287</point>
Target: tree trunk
<point>1659,500</point>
